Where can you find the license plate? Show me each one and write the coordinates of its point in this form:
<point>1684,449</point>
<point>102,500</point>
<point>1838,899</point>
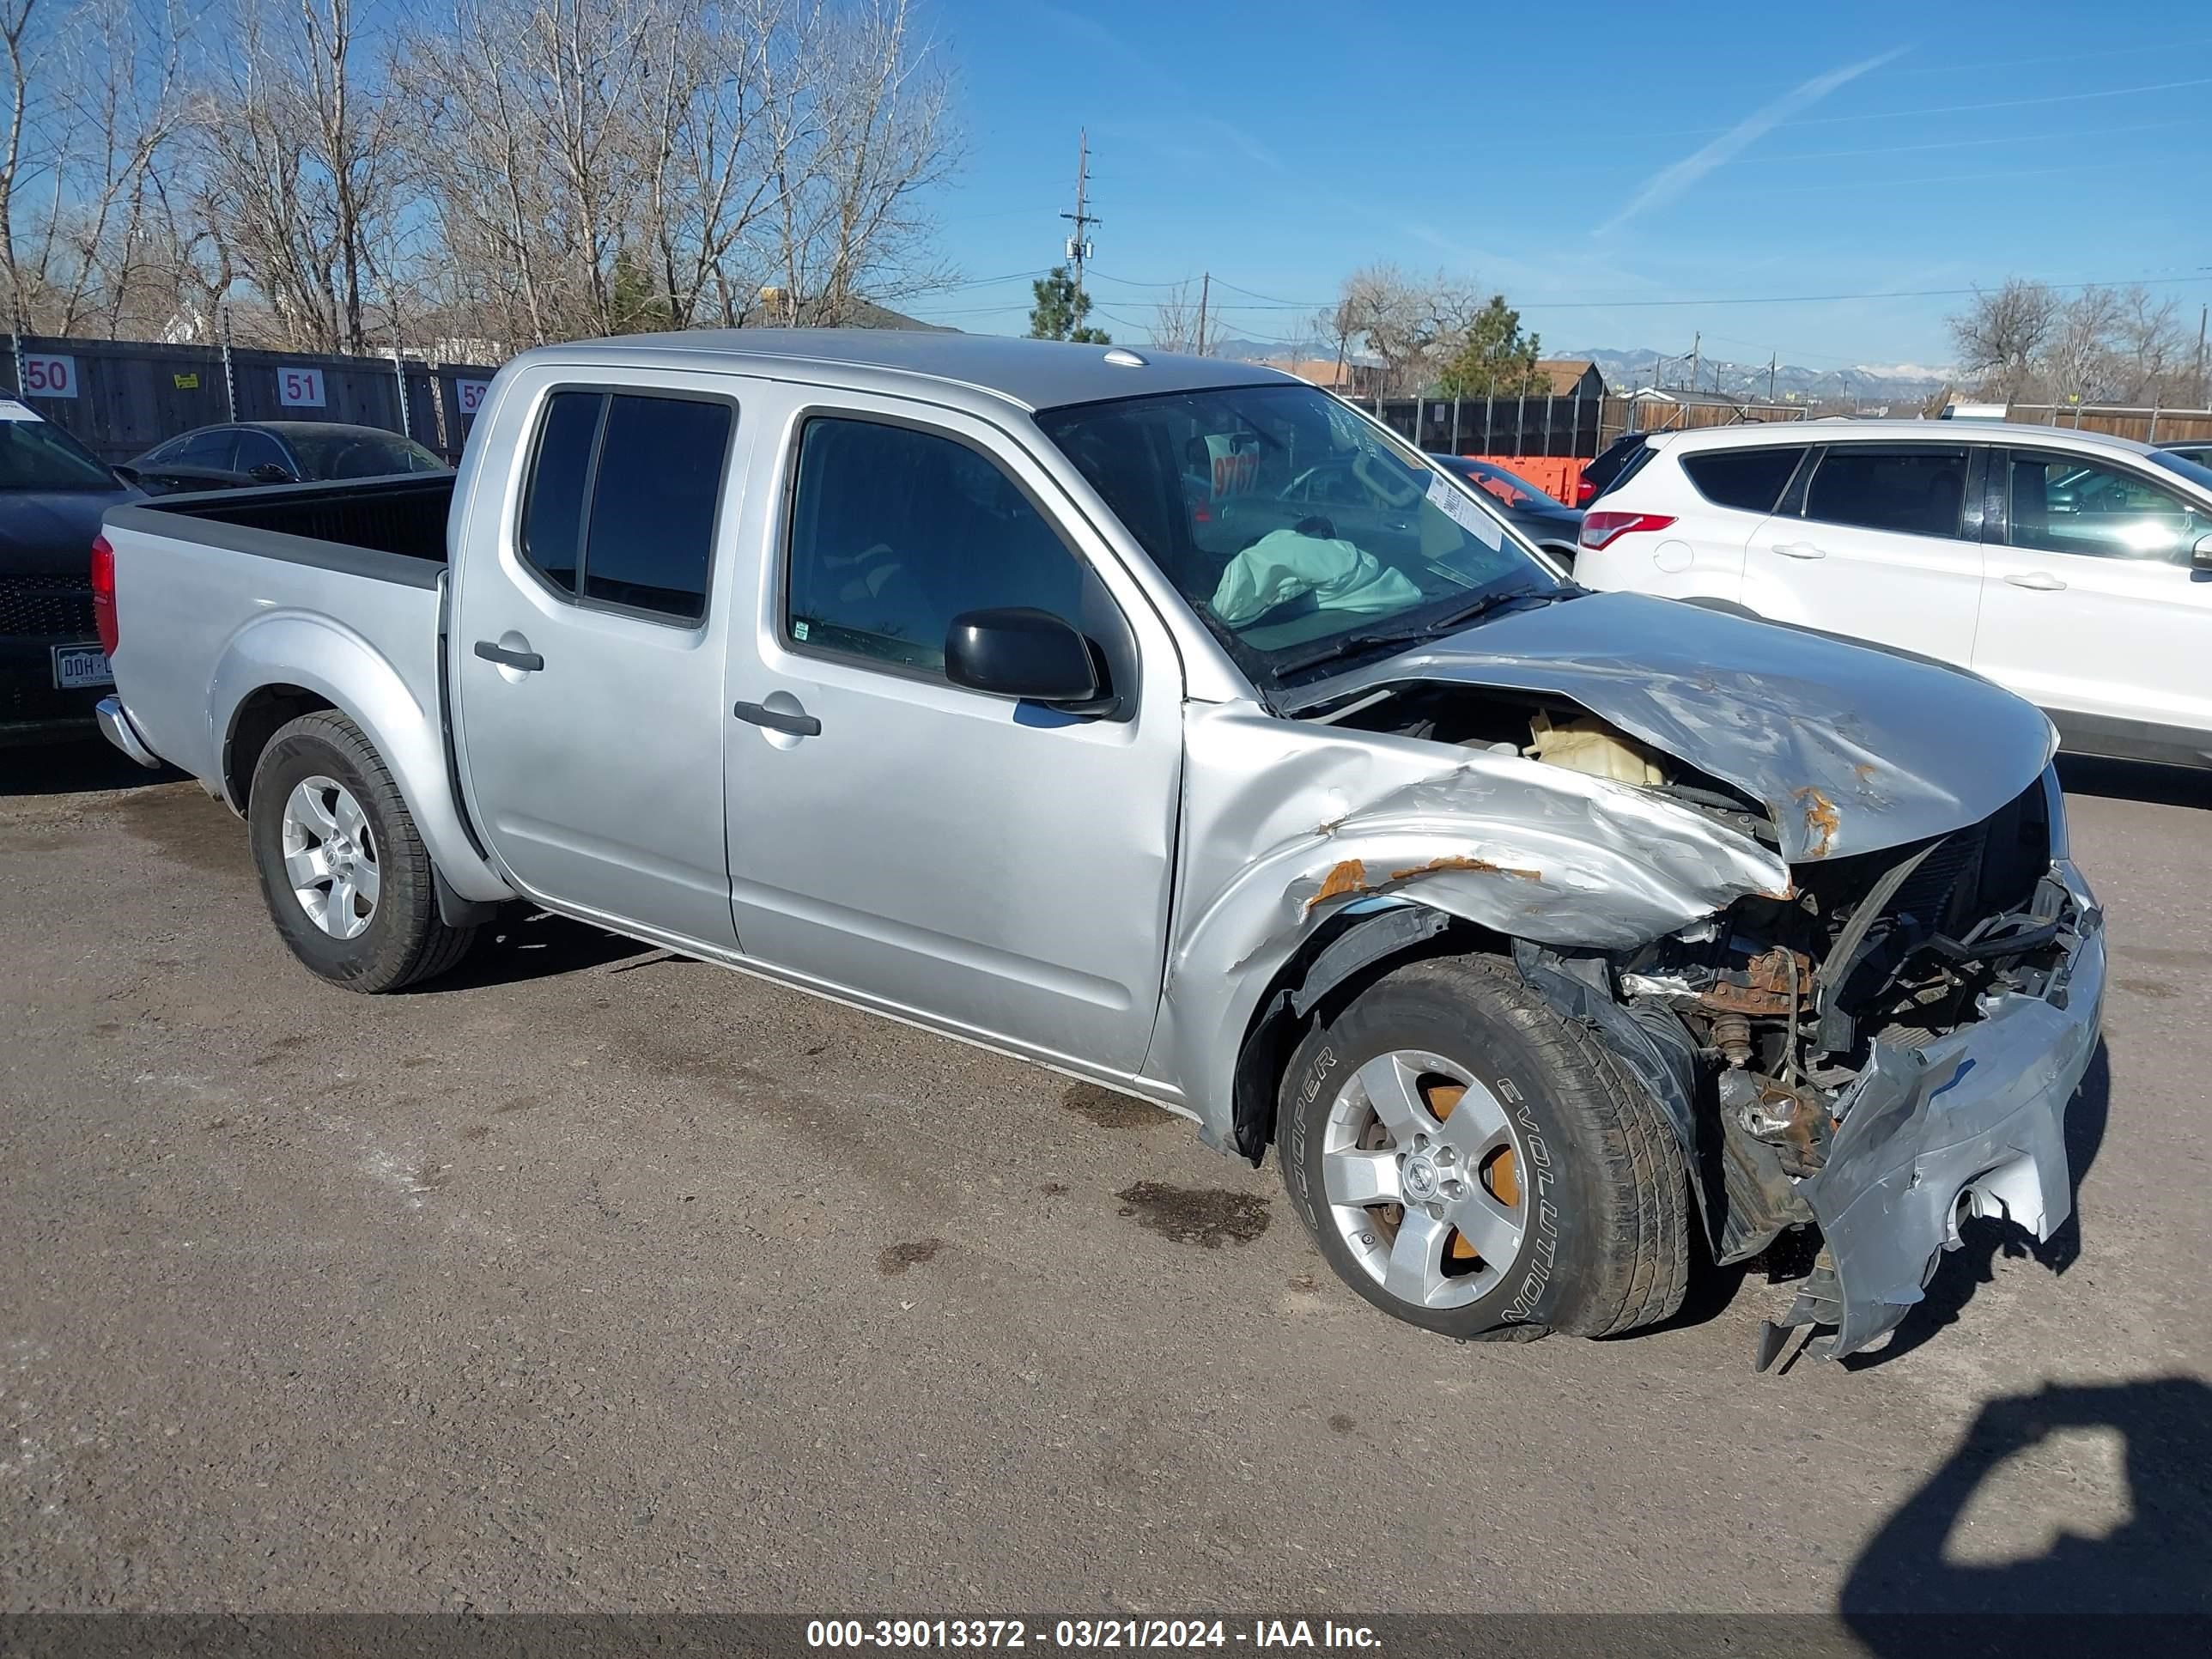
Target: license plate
<point>76,666</point>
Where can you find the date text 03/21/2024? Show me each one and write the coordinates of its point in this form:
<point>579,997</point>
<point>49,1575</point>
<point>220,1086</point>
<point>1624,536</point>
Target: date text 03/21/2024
<point>1086,1633</point>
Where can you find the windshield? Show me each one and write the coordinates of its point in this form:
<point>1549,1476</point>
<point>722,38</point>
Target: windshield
<point>37,455</point>
<point>2194,470</point>
<point>1297,529</point>
<point>344,454</point>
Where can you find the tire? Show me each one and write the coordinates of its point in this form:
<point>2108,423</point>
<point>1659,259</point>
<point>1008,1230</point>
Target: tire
<point>400,938</point>
<point>1529,1105</point>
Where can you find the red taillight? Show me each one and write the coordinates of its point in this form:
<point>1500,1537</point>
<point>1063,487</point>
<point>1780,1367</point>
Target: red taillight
<point>1600,528</point>
<point>1585,492</point>
<point>103,592</point>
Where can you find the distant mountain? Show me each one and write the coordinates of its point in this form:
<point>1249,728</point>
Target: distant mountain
<point>1863,383</point>
<point>1625,370</point>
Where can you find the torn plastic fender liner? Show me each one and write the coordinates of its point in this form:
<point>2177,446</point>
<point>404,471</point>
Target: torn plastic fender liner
<point>1978,1116</point>
<point>1287,822</point>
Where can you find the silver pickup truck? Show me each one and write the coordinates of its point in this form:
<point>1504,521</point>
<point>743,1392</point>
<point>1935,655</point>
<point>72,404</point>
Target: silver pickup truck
<point>1167,722</point>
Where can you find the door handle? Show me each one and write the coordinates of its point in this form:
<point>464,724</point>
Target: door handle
<point>797,725</point>
<point>491,650</point>
<point>2038,581</point>
<point>1800,551</point>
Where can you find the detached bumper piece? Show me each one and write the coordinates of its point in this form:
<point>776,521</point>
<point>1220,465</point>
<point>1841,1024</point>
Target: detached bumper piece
<point>1972,1124</point>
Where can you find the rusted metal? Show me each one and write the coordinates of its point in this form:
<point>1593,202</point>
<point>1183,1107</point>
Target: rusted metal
<point>1766,986</point>
<point>1732,1037</point>
<point>1822,820</point>
<point>1436,866</point>
<point>1349,876</point>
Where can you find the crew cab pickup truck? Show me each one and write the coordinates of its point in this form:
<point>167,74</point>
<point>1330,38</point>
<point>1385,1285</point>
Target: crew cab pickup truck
<point>1168,723</point>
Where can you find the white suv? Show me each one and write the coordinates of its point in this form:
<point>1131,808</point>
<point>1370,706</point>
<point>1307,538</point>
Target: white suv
<point>2072,568</point>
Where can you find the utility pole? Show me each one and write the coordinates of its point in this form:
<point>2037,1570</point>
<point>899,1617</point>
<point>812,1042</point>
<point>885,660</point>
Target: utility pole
<point>1771,362</point>
<point>1696,342</point>
<point>2204,393</point>
<point>1205,294</point>
<point>1078,246</point>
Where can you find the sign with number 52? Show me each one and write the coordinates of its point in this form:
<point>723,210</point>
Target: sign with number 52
<point>299,388</point>
<point>48,376</point>
<point>470,394</point>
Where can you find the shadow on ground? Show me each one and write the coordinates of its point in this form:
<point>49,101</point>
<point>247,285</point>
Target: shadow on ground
<point>1904,1596</point>
<point>524,944</point>
<point>69,768</point>
<point>2118,780</point>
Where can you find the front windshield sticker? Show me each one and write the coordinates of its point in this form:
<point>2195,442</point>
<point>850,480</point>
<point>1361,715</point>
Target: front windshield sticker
<point>12,410</point>
<point>1462,511</point>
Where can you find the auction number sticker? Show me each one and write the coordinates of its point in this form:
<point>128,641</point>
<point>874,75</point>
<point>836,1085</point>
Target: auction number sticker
<point>46,374</point>
<point>1464,512</point>
<point>299,388</point>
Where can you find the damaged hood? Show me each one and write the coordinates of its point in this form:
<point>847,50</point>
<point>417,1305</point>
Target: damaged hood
<point>1850,748</point>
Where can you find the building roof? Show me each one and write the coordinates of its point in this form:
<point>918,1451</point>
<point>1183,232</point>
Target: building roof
<point>1564,372</point>
<point>1320,371</point>
<point>1033,374</point>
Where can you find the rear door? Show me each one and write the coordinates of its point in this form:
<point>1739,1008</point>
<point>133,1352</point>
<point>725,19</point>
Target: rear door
<point>997,865</point>
<point>2093,612</point>
<point>587,658</point>
<point>1879,543</point>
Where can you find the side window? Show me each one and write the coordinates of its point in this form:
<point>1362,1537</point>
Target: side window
<point>2063,504</point>
<point>622,494</point>
<point>259,449</point>
<point>651,539</point>
<point>213,449</point>
<point>1915,492</point>
<point>894,532</point>
<point>1749,480</point>
<point>560,478</point>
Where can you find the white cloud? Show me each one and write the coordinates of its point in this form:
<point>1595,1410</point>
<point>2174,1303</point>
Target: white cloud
<point>1670,182</point>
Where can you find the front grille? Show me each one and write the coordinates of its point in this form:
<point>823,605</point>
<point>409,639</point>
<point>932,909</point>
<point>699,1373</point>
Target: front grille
<point>1985,869</point>
<point>58,607</point>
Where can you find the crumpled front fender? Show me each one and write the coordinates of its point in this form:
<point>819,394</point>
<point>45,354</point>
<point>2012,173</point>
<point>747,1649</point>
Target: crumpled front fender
<point>1287,823</point>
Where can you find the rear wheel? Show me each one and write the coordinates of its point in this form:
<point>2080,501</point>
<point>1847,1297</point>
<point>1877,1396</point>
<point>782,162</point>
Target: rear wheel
<point>1470,1162</point>
<point>346,878</point>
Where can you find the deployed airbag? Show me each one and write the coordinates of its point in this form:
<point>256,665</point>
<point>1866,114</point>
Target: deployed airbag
<point>1284,565</point>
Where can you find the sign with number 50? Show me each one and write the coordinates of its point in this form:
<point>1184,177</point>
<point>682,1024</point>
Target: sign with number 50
<point>49,376</point>
<point>299,388</point>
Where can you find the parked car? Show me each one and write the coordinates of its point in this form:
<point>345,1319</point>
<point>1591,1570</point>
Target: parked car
<point>1555,528</point>
<point>2073,568</point>
<point>1615,459</point>
<point>239,453</point>
<point>52,491</point>
<point>2199,452</point>
<point>1532,927</point>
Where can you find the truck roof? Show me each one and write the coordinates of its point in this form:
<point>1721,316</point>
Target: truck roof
<point>1033,374</point>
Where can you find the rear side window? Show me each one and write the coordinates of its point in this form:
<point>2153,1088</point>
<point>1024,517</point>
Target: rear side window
<point>1749,480</point>
<point>1914,492</point>
<point>623,495</point>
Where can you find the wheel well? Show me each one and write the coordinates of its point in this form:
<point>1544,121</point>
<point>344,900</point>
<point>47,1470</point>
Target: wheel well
<point>257,720</point>
<point>1332,966</point>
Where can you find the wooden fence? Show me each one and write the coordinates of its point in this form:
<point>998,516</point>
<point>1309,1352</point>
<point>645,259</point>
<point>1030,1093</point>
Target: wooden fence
<point>2149,426</point>
<point>120,398</point>
<point>1562,427</point>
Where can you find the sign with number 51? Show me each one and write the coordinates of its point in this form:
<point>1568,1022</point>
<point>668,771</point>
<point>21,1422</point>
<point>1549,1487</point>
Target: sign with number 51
<point>299,388</point>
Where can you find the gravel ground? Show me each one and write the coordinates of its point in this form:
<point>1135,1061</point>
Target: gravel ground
<point>595,1278</point>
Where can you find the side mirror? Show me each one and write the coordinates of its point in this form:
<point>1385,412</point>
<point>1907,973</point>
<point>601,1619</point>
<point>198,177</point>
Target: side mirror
<point>270,472</point>
<point>2200,555</point>
<point>129,474</point>
<point>1018,652</point>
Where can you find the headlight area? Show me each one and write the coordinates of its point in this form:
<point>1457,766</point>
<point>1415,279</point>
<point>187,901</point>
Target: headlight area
<point>1782,1004</point>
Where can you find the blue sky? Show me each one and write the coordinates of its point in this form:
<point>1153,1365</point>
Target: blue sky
<point>1582,158</point>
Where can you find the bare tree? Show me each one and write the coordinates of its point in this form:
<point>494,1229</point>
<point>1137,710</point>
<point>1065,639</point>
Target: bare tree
<point>1175,324</point>
<point>1414,325</point>
<point>2000,335</point>
<point>2077,359</point>
<point>2150,350</point>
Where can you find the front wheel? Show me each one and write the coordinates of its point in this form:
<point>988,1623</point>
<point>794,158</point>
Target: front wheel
<point>1470,1162</point>
<point>346,878</point>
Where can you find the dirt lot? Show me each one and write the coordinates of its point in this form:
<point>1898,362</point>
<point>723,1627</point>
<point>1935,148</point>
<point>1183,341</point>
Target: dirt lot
<point>597,1279</point>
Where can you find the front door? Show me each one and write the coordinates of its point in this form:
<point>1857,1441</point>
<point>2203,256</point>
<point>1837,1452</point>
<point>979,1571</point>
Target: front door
<point>1882,549</point>
<point>2093,612</point>
<point>587,658</point>
<point>995,865</point>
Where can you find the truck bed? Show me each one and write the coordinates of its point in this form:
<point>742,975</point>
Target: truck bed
<point>392,529</point>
